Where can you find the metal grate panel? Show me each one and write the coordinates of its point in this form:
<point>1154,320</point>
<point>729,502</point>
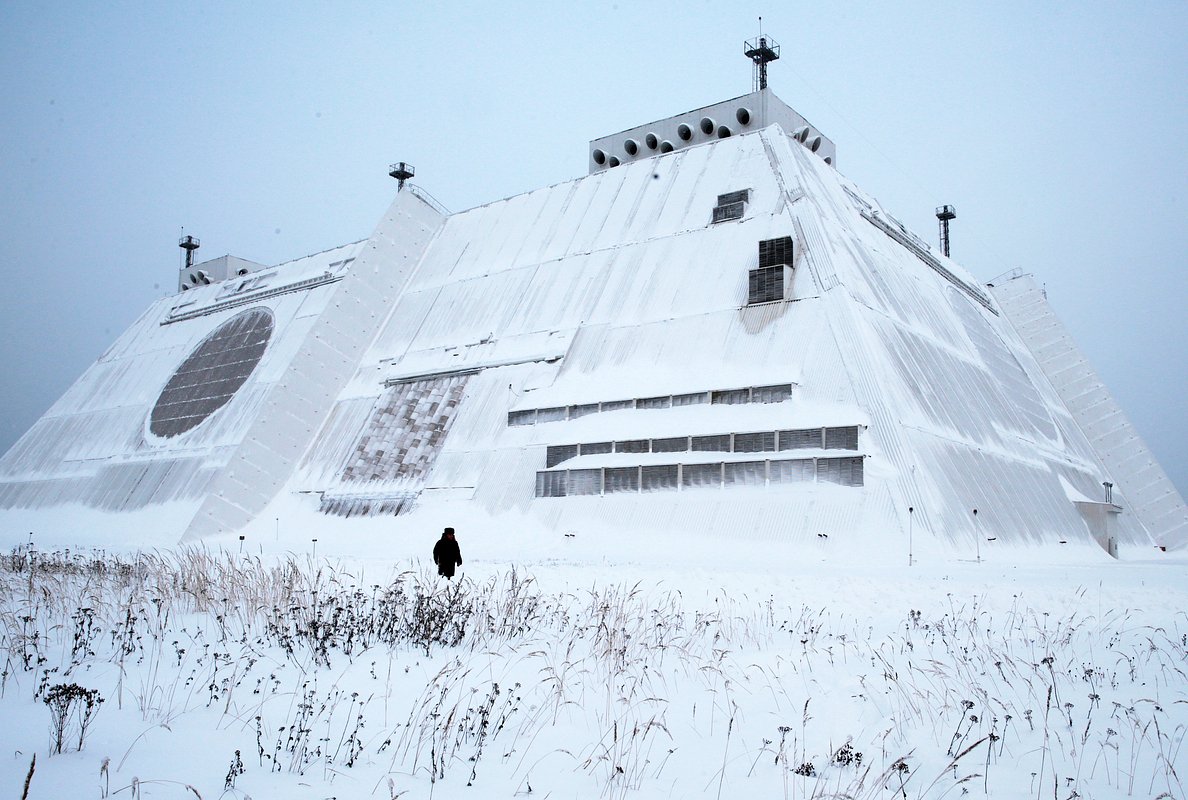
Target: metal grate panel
<point>765,285</point>
<point>719,443</point>
<point>658,477</point>
<point>745,473</point>
<point>521,417</point>
<point>841,438</point>
<point>728,212</point>
<point>764,442</point>
<point>621,479</point>
<point>584,481</point>
<point>582,410</point>
<point>741,196</point>
<point>845,471</point>
<point>771,394</point>
<point>560,452</point>
<point>800,470</point>
<point>731,397</point>
<point>773,252</point>
<point>694,476</point>
<point>654,402</point>
<point>800,439</point>
<point>551,484</point>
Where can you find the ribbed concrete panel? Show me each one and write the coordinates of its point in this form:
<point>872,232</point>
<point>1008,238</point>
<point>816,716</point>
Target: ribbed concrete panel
<point>1136,473</point>
<point>307,389</point>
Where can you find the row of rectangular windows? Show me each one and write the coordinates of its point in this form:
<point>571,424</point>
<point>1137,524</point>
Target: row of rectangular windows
<point>846,471</point>
<point>762,442</point>
<point>751,394</point>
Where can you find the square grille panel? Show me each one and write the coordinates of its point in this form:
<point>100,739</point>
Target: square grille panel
<point>728,212</point>
<point>773,252</point>
<point>765,285</point>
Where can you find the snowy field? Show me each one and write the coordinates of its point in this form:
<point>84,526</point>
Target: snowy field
<point>587,668</point>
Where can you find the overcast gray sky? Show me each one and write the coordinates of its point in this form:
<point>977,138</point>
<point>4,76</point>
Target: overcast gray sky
<point>265,129</point>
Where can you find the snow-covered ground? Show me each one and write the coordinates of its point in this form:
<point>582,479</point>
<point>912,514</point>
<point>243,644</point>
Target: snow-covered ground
<point>581,666</point>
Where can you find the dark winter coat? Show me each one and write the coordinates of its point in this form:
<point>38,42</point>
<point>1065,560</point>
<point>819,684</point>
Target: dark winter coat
<point>447,555</point>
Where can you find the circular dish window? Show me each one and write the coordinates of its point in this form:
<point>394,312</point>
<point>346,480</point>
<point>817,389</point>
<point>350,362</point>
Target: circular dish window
<point>212,374</point>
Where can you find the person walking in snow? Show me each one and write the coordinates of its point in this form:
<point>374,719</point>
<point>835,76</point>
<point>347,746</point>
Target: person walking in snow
<point>446,554</point>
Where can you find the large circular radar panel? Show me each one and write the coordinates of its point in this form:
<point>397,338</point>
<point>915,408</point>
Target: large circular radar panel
<point>212,374</point>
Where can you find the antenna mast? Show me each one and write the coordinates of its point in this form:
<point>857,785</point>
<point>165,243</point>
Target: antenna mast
<point>762,51</point>
<point>401,172</point>
<point>944,214</point>
<point>189,244</point>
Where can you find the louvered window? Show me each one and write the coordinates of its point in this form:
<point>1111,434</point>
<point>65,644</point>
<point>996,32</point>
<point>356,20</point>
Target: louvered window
<point>741,196</point>
<point>719,443</point>
<point>801,470</point>
<point>654,402</point>
<point>596,448</point>
<point>658,477</point>
<point>621,479</point>
<point>755,442</point>
<point>582,410</point>
<point>690,399</point>
<point>522,417</point>
<point>773,252</point>
<point>731,206</point>
<point>731,397</point>
<point>677,444</point>
<point>558,453</point>
<point>841,438</point>
<point>632,446</point>
<point>800,440</point>
<point>616,405</point>
<point>585,481</point>
<point>551,414</point>
<point>771,394</point>
<point>845,471</point>
<point>694,476</point>
<point>728,212</point>
<point>746,473</point>
<point>550,484</point>
<point>765,285</point>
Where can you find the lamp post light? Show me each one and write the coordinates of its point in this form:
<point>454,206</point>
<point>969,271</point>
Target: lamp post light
<point>910,510</point>
<point>977,537</point>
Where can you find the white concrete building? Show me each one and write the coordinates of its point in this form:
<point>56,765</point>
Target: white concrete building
<point>722,335</point>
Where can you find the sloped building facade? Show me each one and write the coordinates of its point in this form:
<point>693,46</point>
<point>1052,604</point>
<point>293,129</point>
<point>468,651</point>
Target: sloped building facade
<point>724,334</point>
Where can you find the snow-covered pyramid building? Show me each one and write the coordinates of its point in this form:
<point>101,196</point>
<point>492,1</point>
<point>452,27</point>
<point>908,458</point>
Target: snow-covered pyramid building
<point>713,330</point>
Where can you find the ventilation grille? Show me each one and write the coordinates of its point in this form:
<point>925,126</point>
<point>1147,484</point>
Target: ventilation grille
<point>845,471</point>
<point>729,211</point>
<point>775,393</point>
<point>766,284</point>
<point>843,438</point>
<point>775,251</point>
<point>731,205</point>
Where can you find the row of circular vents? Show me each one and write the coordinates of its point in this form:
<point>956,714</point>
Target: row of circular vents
<point>708,127</point>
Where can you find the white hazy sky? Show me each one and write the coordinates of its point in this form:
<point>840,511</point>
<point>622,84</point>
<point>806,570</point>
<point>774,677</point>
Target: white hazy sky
<point>266,128</point>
